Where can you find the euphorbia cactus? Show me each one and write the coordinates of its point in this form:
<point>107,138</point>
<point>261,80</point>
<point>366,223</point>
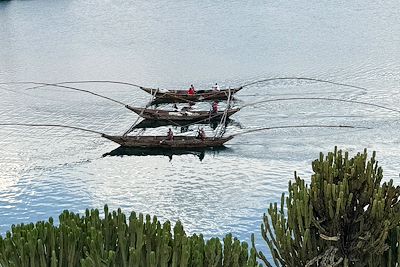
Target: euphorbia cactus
<point>343,218</point>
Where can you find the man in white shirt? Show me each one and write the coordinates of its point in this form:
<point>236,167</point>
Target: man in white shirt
<point>215,87</point>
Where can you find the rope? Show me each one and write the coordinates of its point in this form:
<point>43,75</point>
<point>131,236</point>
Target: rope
<point>322,98</point>
<point>153,96</point>
<point>220,132</point>
<point>225,116</point>
<point>300,126</point>
<point>138,118</point>
<point>132,127</point>
<point>306,79</point>
<point>134,124</point>
<point>50,125</point>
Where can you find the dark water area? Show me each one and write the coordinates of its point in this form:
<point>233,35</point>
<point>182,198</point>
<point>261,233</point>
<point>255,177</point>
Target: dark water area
<point>172,45</point>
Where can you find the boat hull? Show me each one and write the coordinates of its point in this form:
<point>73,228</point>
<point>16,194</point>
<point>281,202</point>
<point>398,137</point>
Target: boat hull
<point>179,116</point>
<point>159,123</point>
<point>181,142</point>
<point>181,96</point>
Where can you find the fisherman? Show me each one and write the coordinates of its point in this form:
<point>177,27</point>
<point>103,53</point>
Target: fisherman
<point>214,107</point>
<point>170,135</point>
<point>191,90</point>
<point>215,87</point>
<point>201,134</point>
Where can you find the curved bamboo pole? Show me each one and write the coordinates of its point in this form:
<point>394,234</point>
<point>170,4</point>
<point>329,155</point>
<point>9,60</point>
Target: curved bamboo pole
<point>50,125</point>
<point>299,126</point>
<point>305,79</point>
<point>321,98</point>
<point>68,87</point>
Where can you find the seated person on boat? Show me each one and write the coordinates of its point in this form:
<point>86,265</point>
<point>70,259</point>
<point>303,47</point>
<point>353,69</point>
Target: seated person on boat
<point>170,135</point>
<point>215,87</point>
<point>214,108</point>
<point>191,90</point>
<point>201,134</point>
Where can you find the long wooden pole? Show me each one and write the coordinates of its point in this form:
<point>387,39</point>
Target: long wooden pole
<point>299,126</point>
<point>50,125</point>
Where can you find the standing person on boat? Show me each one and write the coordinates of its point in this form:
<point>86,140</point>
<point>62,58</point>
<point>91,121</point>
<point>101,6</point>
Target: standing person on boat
<point>191,90</point>
<point>214,107</point>
<point>170,135</point>
<point>215,87</point>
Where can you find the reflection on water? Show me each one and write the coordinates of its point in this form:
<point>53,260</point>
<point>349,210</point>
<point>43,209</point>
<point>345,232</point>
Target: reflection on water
<point>200,153</point>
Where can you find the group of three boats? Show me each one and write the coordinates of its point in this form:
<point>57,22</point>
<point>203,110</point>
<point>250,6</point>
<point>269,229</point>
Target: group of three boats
<point>184,117</point>
<point>188,116</point>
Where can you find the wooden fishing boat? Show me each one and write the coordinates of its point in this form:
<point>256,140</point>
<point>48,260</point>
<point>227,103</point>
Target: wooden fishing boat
<point>181,142</point>
<point>159,123</point>
<point>181,96</point>
<point>179,116</point>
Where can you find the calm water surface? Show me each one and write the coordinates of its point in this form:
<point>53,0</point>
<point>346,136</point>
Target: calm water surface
<point>173,44</point>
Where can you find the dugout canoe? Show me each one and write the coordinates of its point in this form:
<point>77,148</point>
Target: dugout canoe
<point>180,142</point>
<point>180,116</point>
<point>181,96</point>
<point>159,123</point>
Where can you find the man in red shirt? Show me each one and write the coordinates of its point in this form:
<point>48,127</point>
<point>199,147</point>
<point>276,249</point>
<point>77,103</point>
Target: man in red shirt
<point>191,90</point>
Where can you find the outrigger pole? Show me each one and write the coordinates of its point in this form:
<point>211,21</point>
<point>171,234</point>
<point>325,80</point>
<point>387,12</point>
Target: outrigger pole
<point>40,85</point>
<point>67,87</point>
<point>72,82</point>
<point>81,90</point>
<point>233,135</point>
<point>305,79</point>
<point>321,98</point>
<point>245,85</point>
<point>51,125</point>
<point>250,104</point>
<point>59,84</point>
<point>299,126</point>
<point>246,105</point>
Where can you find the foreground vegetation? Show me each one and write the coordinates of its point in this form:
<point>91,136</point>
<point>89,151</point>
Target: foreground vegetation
<point>344,217</point>
<point>115,241</point>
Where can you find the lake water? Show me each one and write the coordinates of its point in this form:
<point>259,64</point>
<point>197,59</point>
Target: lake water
<point>170,44</point>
